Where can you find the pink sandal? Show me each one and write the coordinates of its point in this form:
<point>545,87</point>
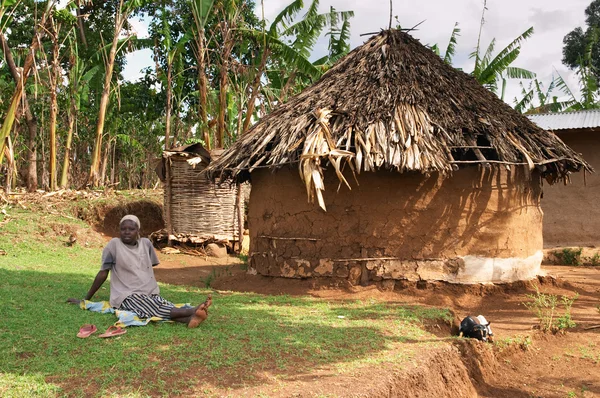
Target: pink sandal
<point>86,331</point>
<point>113,331</point>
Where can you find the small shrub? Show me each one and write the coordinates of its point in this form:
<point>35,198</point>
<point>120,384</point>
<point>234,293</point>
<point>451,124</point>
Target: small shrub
<point>214,274</point>
<point>564,321</point>
<point>244,258</point>
<point>569,256</point>
<point>595,259</point>
<point>546,309</point>
<point>523,342</point>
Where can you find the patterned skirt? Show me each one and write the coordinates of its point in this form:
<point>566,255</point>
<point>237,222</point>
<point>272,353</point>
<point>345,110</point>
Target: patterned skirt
<point>147,306</point>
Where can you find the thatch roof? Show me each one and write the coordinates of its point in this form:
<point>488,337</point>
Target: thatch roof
<point>394,104</point>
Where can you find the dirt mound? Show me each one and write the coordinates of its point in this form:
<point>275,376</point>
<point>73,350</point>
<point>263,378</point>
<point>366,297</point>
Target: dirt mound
<point>439,373</point>
<point>149,213</point>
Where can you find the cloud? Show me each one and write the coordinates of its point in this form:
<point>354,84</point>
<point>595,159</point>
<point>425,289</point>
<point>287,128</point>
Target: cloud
<point>547,20</point>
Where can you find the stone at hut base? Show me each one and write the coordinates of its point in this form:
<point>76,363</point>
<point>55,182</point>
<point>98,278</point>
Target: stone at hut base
<point>354,277</point>
<point>387,285</point>
<point>214,250</point>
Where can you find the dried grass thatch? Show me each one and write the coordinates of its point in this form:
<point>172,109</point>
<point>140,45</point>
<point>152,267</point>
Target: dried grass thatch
<point>393,104</point>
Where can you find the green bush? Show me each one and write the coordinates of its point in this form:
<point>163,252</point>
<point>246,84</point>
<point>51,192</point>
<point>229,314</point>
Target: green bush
<point>570,256</point>
<point>546,309</point>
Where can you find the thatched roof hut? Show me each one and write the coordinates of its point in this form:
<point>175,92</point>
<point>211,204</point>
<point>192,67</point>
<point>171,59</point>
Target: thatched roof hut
<point>395,108</point>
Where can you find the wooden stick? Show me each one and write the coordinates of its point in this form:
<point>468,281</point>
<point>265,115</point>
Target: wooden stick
<point>471,147</point>
<point>240,216</point>
<point>509,163</point>
<point>366,259</point>
<point>284,238</point>
<point>592,327</point>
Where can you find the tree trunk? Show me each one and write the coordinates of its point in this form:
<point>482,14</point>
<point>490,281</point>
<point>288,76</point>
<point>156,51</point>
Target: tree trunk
<point>30,120</point>
<point>80,24</point>
<point>120,18</point>
<point>168,110</point>
<point>286,88</point>
<point>54,76</point>
<point>105,162</point>
<point>64,179</point>
<point>203,90</point>
<point>20,85</point>
<point>220,137</point>
<point>10,165</point>
<point>254,93</point>
<point>113,166</point>
<point>176,127</point>
<point>71,117</point>
<point>32,181</point>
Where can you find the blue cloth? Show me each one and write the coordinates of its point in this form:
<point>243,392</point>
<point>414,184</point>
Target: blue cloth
<point>124,318</point>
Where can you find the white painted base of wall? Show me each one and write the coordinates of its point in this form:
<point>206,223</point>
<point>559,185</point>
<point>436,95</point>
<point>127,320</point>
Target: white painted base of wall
<point>498,270</point>
<point>460,269</point>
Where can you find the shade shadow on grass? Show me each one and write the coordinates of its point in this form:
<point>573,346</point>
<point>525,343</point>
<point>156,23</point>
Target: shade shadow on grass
<point>245,333</point>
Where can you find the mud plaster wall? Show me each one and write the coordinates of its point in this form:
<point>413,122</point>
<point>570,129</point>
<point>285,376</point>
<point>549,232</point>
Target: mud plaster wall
<point>475,226</point>
<point>572,212</point>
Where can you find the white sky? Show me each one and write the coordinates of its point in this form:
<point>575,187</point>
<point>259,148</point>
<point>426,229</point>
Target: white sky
<point>505,20</point>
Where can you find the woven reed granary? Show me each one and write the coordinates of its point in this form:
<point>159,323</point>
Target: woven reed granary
<point>413,171</point>
<point>196,209</point>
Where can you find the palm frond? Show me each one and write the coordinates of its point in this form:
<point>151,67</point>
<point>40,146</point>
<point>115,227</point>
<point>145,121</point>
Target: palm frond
<point>285,17</point>
<point>514,45</point>
<point>292,57</point>
<point>492,71</point>
<point>521,105</point>
<point>451,49</point>
<point>513,72</point>
<point>201,11</point>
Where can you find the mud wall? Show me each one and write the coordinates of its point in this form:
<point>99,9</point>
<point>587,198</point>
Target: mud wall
<point>480,225</point>
<point>572,212</point>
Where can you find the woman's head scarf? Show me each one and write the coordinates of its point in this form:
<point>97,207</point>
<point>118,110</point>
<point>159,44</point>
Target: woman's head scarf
<point>131,217</point>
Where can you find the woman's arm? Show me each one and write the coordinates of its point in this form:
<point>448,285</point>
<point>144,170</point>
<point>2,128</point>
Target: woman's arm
<point>98,281</point>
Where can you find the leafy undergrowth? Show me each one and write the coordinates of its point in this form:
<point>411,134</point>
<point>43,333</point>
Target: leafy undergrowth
<point>86,205</point>
<point>245,335</point>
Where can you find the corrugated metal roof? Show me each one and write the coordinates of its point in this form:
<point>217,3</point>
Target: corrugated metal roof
<point>567,120</point>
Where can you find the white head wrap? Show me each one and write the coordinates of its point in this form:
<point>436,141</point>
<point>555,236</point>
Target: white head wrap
<point>131,217</point>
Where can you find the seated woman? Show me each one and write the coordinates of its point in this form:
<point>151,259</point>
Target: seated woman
<point>132,284</point>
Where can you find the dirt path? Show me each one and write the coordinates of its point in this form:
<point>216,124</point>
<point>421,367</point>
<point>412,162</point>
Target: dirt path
<point>534,365</point>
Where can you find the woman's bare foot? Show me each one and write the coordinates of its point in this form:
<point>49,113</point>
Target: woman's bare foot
<point>201,313</point>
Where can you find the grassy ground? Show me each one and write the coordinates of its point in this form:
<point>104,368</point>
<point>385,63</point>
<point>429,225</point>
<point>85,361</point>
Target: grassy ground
<point>245,335</point>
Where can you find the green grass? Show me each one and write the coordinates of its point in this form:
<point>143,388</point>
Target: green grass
<point>246,334</point>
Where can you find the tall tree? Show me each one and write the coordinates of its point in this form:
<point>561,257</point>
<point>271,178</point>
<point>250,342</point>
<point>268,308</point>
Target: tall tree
<point>122,12</point>
<point>491,71</point>
<point>577,42</point>
<point>290,43</point>
<point>28,66</point>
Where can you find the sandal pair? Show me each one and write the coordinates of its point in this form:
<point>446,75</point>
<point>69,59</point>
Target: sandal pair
<point>112,331</point>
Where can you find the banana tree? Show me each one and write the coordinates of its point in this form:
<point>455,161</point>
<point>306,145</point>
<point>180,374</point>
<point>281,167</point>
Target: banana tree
<point>201,10</point>
<point>122,13</point>
<point>31,121</point>
<point>291,43</point>
<point>58,19</point>
<point>79,77</point>
<point>491,70</point>
<point>451,48</point>
<point>28,65</point>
